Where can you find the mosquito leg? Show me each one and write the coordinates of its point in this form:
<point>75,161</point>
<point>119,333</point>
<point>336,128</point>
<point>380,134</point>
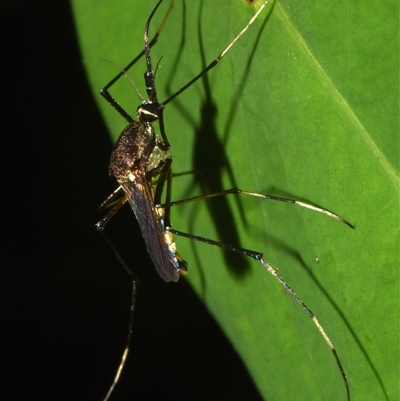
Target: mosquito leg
<point>259,257</point>
<point>102,223</point>
<point>313,317</point>
<point>217,60</point>
<point>237,191</point>
<point>167,216</point>
<point>135,283</point>
<point>100,226</point>
<point>208,68</point>
<point>165,145</point>
<point>110,198</point>
<point>190,172</point>
<point>163,177</point>
<point>128,340</point>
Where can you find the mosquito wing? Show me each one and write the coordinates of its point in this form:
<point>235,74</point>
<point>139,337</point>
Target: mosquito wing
<point>160,243</point>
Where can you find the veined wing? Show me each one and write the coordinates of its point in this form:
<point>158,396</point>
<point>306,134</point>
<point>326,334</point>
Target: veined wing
<point>159,242</point>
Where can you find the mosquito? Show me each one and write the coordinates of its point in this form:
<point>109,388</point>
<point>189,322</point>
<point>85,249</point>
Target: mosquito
<point>142,166</point>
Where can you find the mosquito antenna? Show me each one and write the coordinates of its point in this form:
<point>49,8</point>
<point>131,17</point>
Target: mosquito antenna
<point>128,77</point>
<point>104,91</point>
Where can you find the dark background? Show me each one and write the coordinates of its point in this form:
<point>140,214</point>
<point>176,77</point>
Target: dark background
<point>65,298</point>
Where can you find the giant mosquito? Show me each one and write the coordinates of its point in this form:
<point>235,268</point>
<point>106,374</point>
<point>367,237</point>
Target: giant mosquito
<point>141,164</point>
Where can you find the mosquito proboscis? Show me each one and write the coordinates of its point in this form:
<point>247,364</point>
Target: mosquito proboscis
<point>142,166</point>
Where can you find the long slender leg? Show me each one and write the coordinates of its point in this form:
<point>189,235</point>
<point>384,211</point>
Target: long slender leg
<point>110,198</point>
<point>102,223</point>
<point>259,257</point>
<point>237,191</point>
<point>151,90</point>
<point>128,342</point>
<point>167,217</point>
<point>163,177</point>
<point>202,73</point>
<point>135,283</point>
<point>218,59</point>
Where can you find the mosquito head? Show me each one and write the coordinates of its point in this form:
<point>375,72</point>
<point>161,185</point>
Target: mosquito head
<point>148,112</point>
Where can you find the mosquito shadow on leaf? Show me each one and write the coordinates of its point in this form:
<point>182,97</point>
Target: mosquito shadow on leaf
<point>211,160</point>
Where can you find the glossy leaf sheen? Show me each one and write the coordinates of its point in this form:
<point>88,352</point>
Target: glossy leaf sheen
<point>305,105</point>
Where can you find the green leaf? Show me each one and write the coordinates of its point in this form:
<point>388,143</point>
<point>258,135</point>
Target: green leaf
<point>304,105</point>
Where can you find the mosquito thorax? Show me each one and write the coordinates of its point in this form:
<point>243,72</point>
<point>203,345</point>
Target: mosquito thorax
<point>132,152</point>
